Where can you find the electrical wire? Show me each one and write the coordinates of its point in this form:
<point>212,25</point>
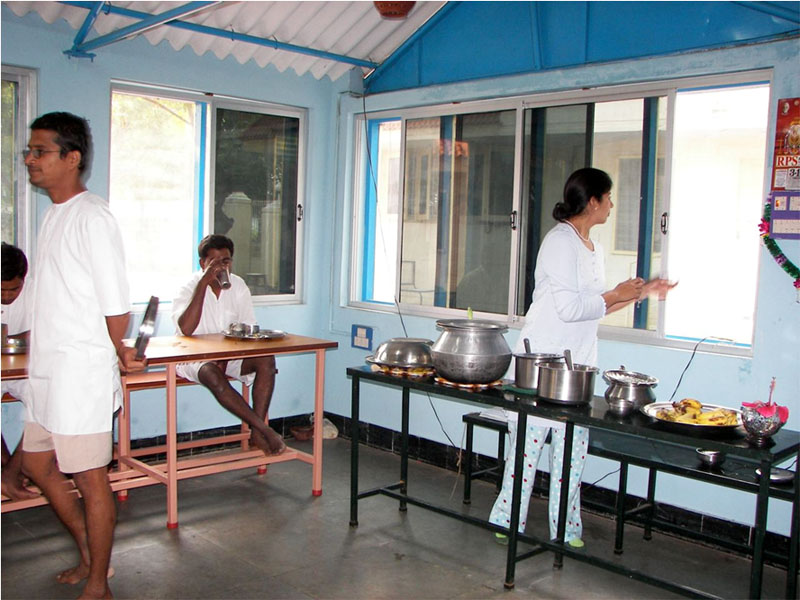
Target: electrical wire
<point>691,358</point>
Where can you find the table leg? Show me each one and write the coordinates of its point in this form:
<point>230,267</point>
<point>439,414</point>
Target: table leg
<point>172,448</point>
<point>760,531</point>
<point>404,448</point>
<point>651,501</point>
<point>124,437</point>
<point>622,489</point>
<point>516,498</point>
<point>319,400</point>
<point>355,434</point>
<point>794,540</point>
<point>566,466</point>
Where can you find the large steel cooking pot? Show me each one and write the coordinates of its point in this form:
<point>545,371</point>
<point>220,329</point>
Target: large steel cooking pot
<point>526,368</point>
<point>471,351</point>
<point>559,384</point>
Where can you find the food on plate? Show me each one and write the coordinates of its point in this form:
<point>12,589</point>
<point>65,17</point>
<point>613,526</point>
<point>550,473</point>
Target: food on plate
<point>691,412</point>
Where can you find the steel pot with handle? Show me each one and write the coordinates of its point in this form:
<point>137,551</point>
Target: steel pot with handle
<point>471,351</point>
<point>560,384</point>
<point>526,368</point>
<point>628,390</point>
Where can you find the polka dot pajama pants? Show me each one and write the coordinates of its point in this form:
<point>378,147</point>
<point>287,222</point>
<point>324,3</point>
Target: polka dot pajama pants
<point>534,442</point>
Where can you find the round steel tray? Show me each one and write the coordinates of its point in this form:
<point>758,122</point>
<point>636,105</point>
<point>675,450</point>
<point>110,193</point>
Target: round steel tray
<point>651,410</point>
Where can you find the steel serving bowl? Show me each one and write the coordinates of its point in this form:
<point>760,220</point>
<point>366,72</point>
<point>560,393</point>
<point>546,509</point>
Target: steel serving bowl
<point>759,428</point>
<point>559,384</point>
<point>526,368</point>
<point>404,352</point>
<point>710,458</point>
<point>15,346</point>
<point>471,351</point>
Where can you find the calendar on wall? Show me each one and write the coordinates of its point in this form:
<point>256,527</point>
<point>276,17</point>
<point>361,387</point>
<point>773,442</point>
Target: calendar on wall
<point>785,185</point>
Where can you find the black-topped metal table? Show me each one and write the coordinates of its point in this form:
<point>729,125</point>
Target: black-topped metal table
<point>786,444</point>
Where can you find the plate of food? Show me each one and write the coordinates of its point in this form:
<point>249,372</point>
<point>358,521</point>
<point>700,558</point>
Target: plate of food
<point>401,371</point>
<point>692,416</point>
<point>261,334</point>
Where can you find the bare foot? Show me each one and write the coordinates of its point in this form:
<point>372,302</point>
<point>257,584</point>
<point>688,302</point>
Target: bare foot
<point>13,487</point>
<point>271,444</point>
<point>93,594</point>
<point>78,573</point>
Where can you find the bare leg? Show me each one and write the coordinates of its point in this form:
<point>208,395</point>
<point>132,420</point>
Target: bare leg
<point>211,376</point>
<point>101,517</point>
<point>13,481</point>
<point>264,384</point>
<point>41,468</point>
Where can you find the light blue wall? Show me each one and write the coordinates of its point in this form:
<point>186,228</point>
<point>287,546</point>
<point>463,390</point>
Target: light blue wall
<point>83,87</point>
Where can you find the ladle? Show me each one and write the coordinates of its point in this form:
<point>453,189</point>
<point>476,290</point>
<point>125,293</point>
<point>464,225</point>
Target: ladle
<point>568,359</point>
<point>527,343</point>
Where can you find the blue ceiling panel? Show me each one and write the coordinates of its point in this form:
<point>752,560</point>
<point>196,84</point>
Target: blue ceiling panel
<point>474,40</point>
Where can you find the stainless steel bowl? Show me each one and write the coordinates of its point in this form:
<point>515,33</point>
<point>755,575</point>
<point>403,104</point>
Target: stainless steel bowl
<point>526,368</point>
<point>404,352</point>
<point>710,458</point>
<point>15,346</point>
<point>759,428</point>
<point>559,384</point>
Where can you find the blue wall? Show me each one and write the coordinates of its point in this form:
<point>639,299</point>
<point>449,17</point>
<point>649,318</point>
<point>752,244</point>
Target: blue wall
<point>84,87</point>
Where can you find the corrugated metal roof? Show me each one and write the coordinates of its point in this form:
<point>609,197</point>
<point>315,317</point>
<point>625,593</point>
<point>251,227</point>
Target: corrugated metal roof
<point>326,39</point>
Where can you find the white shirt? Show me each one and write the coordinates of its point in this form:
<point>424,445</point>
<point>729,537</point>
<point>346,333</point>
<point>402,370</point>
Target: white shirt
<point>17,315</point>
<point>80,279</point>
<point>234,305</point>
<point>567,301</point>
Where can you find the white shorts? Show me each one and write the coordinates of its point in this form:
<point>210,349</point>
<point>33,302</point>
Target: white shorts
<point>234,370</point>
<point>74,453</point>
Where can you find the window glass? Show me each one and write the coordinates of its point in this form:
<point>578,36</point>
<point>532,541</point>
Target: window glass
<point>456,245</point>
<point>255,196</point>
<point>715,201</point>
<point>456,241</point>
<point>161,165</point>
<point>153,189</point>
<point>9,152</point>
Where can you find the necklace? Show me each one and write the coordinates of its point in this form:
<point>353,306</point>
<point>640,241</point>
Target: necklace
<point>575,229</point>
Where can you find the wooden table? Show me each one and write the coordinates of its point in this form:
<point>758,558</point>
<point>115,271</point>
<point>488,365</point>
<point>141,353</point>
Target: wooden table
<point>167,352</point>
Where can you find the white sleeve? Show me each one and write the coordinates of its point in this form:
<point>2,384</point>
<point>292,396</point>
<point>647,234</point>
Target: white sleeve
<point>107,259</point>
<point>558,258</point>
<point>181,301</point>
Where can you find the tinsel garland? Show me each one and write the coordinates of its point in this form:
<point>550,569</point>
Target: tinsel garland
<point>774,249</point>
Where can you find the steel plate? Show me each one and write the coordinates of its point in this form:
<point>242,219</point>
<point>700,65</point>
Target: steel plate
<point>651,410</point>
<point>264,334</point>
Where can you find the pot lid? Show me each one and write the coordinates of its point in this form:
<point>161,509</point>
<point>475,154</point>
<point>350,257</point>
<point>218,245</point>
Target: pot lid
<point>629,377</point>
<point>471,325</point>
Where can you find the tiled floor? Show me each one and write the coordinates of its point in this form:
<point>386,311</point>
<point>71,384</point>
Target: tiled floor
<point>242,535</point>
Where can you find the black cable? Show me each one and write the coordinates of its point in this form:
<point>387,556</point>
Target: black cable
<point>686,368</point>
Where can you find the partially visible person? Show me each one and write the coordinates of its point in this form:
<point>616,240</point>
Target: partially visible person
<point>203,306</point>
<point>16,321</point>
<point>80,316</point>
<point>569,300</point>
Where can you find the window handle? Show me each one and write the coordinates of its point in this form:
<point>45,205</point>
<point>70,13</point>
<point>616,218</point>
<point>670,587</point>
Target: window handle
<point>299,212</point>
<point>513,220</point>
<point>664,222</point>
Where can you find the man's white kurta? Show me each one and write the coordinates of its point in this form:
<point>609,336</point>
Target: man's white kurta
<point>80,279</point>
<point>17,314</point>
<point>234,305</point>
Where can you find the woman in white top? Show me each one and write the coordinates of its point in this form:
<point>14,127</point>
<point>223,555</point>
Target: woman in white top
<point>569,299</point>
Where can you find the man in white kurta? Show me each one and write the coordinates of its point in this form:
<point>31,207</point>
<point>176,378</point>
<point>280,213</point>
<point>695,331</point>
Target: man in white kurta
<point>204,306</point>
<point>80,310</point>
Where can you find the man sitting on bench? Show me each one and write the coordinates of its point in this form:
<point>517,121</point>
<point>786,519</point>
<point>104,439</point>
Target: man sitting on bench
<point>204,306</point>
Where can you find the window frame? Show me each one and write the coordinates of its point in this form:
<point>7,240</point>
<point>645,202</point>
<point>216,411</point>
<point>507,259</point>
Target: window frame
<point>27,80</point>
<point>667,88</point>
<point>203,214</point>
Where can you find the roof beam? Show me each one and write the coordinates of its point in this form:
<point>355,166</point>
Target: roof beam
<point>773,10</point>
<point>146,23</point>
<point>230,35</point>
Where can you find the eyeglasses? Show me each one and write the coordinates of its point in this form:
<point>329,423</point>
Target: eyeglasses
<point>36,152</point>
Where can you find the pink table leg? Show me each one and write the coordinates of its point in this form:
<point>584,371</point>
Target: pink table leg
<point>319,395</point>
<point>124,438</point>
<point>172,448</point>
